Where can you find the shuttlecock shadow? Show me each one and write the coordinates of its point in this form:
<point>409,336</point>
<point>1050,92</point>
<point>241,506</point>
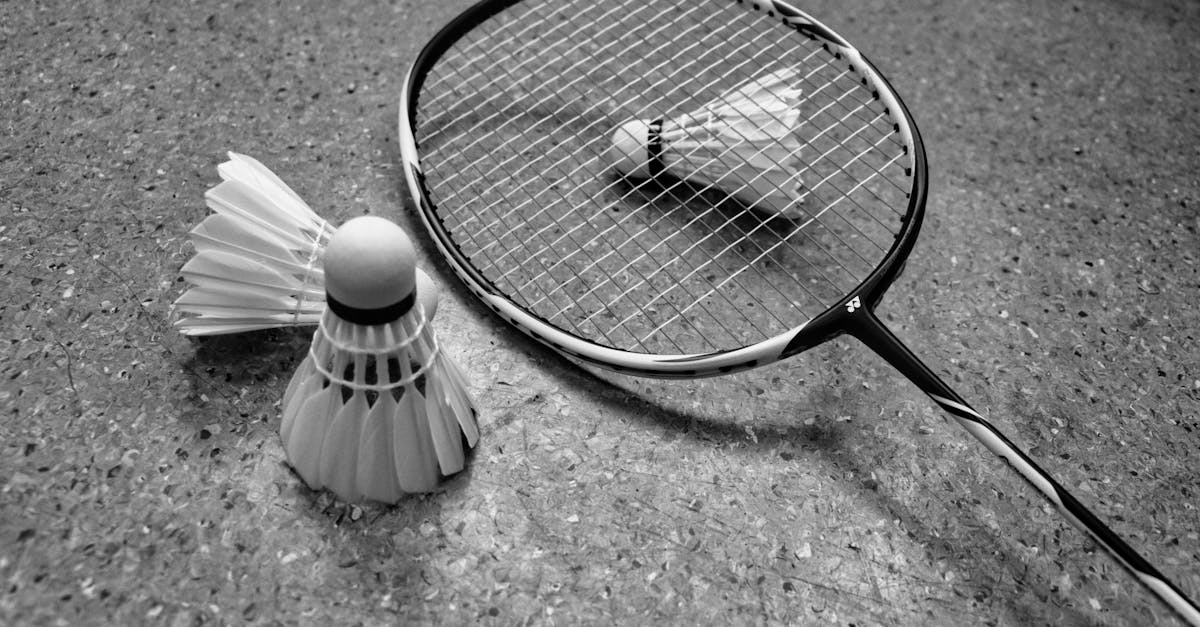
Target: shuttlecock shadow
<point>686,202</point>
<point>384,549</point>
<point>249,358</point>
<point>722,225</point>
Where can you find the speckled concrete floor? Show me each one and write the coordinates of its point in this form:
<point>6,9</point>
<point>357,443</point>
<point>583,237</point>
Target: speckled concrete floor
<point>141,477</point>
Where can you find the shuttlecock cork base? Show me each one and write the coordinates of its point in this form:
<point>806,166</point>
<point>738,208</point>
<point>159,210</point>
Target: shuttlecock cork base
<point>636,149</point>
<point>259,261</point>
<point>376,410</point>
<point>743,143</point>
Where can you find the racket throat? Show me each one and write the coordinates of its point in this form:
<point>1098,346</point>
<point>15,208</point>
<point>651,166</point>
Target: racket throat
<point>865,326</point>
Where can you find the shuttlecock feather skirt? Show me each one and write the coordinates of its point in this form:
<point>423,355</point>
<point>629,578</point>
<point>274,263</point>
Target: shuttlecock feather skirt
<point>258,256</point>
<point>376,412</point>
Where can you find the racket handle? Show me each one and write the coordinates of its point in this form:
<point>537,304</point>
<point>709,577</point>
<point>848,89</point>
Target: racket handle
<point>865,326</point>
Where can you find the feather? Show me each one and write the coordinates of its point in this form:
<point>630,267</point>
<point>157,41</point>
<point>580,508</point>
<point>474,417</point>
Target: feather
<point>339,451</point>
<point>377,478</point>
<point>309,424</point>
<point>258,256</point>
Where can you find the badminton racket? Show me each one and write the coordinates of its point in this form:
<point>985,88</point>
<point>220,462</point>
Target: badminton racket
<point>508,122</point>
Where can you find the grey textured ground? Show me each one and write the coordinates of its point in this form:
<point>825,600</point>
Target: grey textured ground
<point>141,477</point>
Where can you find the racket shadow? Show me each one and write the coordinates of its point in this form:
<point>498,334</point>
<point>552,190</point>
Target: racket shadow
<point>1001,575</point>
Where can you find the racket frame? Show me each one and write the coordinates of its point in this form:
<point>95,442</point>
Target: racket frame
<point>825,326</point>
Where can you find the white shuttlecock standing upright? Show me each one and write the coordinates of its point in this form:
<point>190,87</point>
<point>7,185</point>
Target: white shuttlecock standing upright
<point>743,143</point>
<point>259,257</point>
<point>257,262</point>
<point>376,410</point>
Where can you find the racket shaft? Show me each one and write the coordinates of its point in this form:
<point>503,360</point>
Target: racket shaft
<point>868,329</point>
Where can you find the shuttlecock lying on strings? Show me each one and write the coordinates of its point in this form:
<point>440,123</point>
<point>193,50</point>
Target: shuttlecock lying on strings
<point>743,143</point>
<point>376,410</point>
<point>258,262</point>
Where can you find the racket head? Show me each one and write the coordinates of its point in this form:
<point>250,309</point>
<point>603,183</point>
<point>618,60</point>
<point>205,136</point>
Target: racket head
<point>505,119</point>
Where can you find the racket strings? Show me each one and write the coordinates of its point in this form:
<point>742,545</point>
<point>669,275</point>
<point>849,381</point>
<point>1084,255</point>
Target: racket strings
<point>684,280</point>
<point>572,303</point>
<point>567,234</point>
<point>729,246</point>
<point>675,316</point>
<point>520,207</point>
<point>517,210</point>
<point>514,120</point>
<point>763,252</point>
<point>480,131</point>
<point>675,273</point>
